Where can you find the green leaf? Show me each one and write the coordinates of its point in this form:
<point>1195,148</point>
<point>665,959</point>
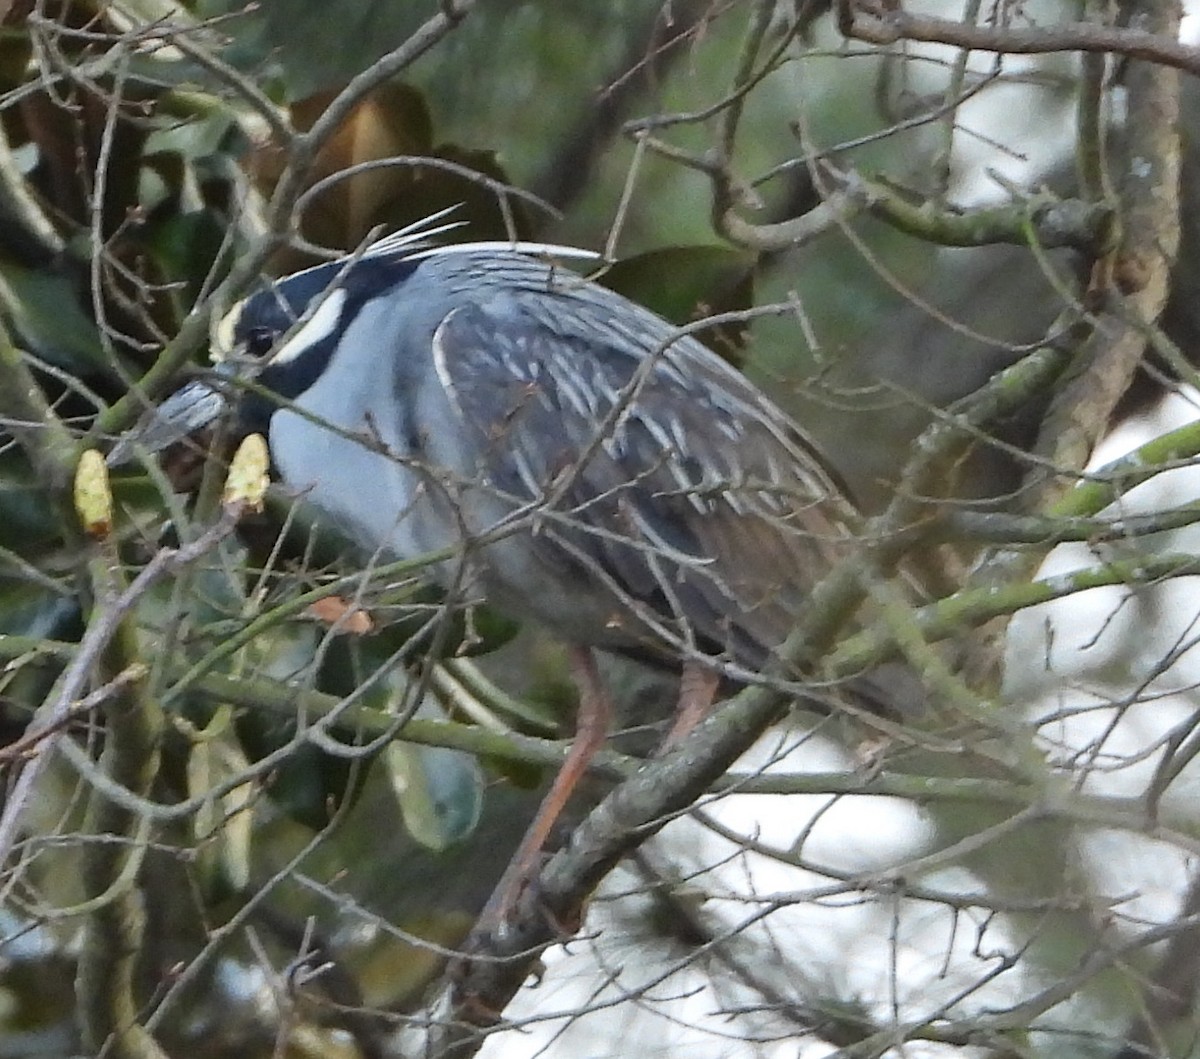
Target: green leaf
<point>44,311</point>
<point>440,792</point>
<point>688,283</point>
<point>310,786</point>
<point>29,609</point>
<point>291,38</point>
<point>223,825</point>
<point>28,522</point>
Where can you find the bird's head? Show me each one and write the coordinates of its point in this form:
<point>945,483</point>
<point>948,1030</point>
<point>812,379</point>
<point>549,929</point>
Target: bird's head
<point>278,341</point>
<point>273,345</point>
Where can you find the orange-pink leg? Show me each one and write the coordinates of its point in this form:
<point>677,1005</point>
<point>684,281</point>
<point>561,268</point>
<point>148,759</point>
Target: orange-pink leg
<point>591,729</point>
<point>697,689</point>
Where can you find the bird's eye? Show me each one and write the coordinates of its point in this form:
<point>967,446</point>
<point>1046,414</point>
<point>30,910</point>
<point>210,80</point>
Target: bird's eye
<point>259,341</point>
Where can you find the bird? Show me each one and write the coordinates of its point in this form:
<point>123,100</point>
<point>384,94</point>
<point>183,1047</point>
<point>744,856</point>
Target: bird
<point>555,448</point>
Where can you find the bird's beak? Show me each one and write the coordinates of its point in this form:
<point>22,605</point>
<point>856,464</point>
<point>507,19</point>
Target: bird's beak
<point>195,406</point>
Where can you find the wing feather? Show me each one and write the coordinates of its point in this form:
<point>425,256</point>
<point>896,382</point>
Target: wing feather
<point>670,481</point>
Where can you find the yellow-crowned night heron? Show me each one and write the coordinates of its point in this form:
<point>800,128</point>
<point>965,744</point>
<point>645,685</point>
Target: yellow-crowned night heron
<point>581,462</point>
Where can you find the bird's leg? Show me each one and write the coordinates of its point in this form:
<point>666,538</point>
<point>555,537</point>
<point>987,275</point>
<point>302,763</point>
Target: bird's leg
<point>698,685</point>
<point>591,729</point>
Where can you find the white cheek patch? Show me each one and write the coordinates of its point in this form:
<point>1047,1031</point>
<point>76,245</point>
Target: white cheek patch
<point>320,325</point>
<point>222,340</point>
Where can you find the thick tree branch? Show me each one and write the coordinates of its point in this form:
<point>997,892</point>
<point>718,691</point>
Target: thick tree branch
<point>1155,44</point>
<point>1136,279</point>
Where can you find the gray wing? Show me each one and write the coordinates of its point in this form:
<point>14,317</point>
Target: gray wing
<point>670,483</point>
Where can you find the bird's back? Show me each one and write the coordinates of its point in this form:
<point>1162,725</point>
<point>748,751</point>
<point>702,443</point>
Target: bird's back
<point>659,497</point>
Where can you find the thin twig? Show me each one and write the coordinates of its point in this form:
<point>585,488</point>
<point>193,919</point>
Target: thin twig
<point>46,726</point>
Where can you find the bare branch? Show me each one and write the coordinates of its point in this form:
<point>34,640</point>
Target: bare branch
<point>876,25</point>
